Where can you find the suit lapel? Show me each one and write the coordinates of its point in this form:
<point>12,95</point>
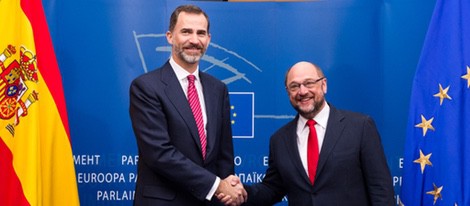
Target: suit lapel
<point>293,149</point>
<point>210,100</point>
<point>332,135</point>
<point>178,99</point>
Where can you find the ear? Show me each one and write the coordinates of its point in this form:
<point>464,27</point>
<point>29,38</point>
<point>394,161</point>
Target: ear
<point>324,87</point>
<point>169,37</point>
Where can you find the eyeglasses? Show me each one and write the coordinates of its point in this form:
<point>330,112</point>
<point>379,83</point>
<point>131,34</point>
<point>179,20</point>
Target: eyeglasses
<point>294,87</point>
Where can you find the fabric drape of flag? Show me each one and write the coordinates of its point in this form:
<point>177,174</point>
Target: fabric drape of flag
<point>36,162</point>
<point>436,169</point>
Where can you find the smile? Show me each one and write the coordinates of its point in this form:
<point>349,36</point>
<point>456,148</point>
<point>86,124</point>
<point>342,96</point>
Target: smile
<point>304,99</point>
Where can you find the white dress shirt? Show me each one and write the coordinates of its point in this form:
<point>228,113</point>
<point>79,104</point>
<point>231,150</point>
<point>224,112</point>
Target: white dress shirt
<point>321,120</point>
<point>182,76</point>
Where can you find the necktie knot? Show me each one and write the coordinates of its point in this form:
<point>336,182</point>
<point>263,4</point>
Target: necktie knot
<point>191,78</point>
<point>311,122</point>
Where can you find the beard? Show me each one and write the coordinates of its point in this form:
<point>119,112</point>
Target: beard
<point>310,111</point>
<point>188,58</point>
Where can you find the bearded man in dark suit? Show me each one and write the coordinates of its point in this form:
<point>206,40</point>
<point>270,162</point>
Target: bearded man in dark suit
<point>343,165</point>
<point>181,120</point>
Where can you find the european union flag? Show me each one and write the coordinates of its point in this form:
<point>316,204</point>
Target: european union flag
<point>242,114</point>
<point>437,151</point>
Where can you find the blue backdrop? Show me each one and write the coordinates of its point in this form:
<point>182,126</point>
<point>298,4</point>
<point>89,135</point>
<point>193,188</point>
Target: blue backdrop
<point>368,49</point>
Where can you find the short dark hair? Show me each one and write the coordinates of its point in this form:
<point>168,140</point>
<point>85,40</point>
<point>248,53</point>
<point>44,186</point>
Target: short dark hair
<point>192,9</point>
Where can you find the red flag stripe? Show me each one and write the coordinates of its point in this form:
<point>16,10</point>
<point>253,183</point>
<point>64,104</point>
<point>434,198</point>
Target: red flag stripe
<point>47,64</point>
<point>11,192</point>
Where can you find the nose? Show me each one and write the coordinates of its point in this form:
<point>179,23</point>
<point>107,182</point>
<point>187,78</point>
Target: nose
<point>303,89</point>
<point>193,39</point>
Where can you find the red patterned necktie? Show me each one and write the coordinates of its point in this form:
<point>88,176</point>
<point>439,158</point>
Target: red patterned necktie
<point>193,100</point>
<point>312,150</point>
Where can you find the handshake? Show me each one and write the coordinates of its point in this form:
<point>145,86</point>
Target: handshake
<point>231,191</point>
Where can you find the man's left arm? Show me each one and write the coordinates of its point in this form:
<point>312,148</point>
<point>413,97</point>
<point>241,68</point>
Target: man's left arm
<point>376,172</point>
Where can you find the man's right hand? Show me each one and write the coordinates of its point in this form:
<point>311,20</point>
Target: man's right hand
<point>231,191</point>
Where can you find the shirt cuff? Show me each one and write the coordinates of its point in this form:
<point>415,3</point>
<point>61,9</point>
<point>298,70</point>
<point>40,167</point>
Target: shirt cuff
<point>213,189</point>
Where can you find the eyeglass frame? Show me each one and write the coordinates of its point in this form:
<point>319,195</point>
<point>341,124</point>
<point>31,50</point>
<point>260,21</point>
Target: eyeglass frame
<point>307,84</point>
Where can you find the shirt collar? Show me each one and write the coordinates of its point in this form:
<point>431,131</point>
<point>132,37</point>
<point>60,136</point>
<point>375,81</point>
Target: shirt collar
<point>321,118</point>
<point>180,72</point>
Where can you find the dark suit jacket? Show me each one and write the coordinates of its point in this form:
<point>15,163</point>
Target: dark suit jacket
<point>171,170</point>
<point>352,169</point>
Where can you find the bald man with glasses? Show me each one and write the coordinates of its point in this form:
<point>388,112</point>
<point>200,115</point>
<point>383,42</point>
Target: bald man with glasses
<point>325,156</point>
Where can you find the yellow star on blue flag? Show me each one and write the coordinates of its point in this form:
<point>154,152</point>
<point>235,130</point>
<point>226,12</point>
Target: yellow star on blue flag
<point>425,124</point>
<point>442,94</point>
<point>423,160</point>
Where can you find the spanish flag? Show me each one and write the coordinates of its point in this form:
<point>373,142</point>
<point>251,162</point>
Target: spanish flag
<point>36,162</point>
